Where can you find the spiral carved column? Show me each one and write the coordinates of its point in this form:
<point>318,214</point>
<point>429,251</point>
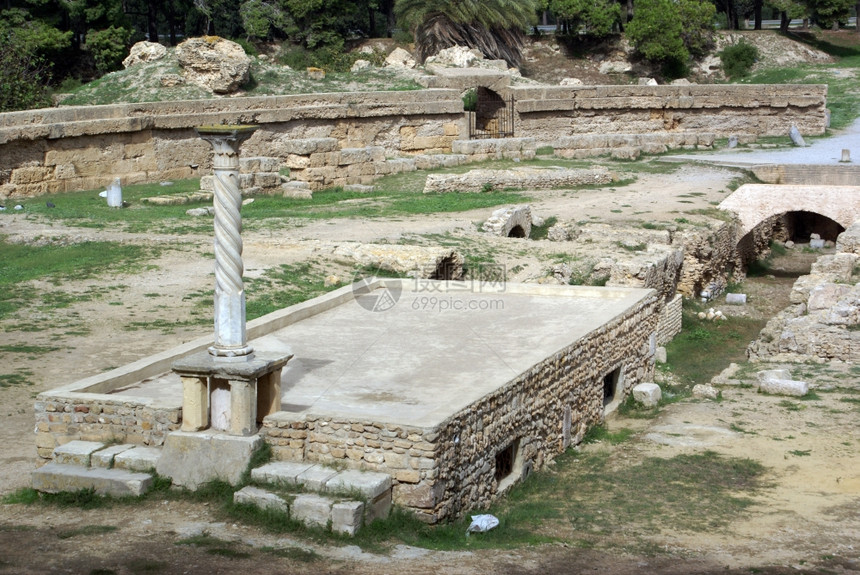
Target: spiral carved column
<point>231,342</point>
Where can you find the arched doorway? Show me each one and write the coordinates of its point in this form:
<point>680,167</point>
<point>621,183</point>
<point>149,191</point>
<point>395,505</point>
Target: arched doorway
<point>493,116</point>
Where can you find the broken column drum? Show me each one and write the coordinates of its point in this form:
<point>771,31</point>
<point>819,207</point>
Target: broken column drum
<point>230,338</point>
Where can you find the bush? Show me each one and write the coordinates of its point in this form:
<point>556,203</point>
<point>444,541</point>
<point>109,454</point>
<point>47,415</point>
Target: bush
<point>24,79</point>
<point>668,32</point>
<point>738,59</point>
<point>108,47</point>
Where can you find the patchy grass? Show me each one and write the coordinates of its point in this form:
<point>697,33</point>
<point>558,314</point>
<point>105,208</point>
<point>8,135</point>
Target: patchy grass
<point>599,433</point>
<point>704,348</point>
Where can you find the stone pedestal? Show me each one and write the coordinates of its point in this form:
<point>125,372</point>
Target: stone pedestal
<point>254,390</point>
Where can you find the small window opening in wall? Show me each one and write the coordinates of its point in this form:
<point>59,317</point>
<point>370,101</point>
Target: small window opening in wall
<point>505,462</point>
<point>517,232</point>
<point>610,386</point>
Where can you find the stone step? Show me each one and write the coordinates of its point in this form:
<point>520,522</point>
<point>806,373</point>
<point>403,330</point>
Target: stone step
<point>55,477</point>
<point>97,454</point>
<point>343,516</point>
<point>336,498</point>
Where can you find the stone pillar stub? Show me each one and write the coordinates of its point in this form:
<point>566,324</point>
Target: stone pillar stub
<point>230,338</point>
<point>244,378</point>
<point>195,403</point>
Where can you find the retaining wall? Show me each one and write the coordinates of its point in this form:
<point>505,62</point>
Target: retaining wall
<point>77,148</point>
<point>550,112</point>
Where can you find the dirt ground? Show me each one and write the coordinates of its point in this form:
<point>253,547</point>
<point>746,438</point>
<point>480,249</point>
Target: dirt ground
<point>807,520</point>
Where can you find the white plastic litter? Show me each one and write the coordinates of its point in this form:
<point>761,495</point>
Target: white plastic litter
<point>482,523</point>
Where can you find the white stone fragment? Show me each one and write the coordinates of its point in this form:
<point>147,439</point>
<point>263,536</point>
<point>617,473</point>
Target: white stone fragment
<point>261,498</point>
<point>705,391</point>
<point>647,394</point>
<point>312,509</point>
<point>736,298</point>
<point>784,387</point>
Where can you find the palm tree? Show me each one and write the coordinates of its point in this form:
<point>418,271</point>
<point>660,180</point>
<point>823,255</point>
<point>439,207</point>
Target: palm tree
<point>495,27</point>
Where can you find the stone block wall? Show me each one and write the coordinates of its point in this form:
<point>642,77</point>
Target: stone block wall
<point>67,149</point>
<point>548,112</point>
<point>77,148</point>
<point>443,472</point>
<point>60,420</point>
<point>629,146</point>
<point>669,324</point>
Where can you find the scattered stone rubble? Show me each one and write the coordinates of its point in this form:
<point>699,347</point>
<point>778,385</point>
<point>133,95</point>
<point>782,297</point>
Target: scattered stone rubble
<point>822,321</point>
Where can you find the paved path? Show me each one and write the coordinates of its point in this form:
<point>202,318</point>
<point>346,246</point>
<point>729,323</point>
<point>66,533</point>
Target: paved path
<point>825,151</point>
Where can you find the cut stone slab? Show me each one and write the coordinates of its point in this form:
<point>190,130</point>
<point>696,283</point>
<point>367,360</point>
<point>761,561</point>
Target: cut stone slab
<point>312,509</point>
<point>736,298</point>
<point>55,477</point>
<point>261,498</point>
<point>76,452</point>
<point>316,477</point>
<point>138,459</point>
<point>347,517</point>
<point>368,483</point>
<point>768,374</point>
<point>660,355</point>
<point>647,394</point>
<point>784,387</point>
<point>280,472</point>
<point>104,457</point>
<point>192,459</point>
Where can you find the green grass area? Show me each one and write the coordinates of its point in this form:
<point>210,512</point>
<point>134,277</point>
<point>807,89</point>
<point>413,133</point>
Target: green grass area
<point>842,88</point>
<point>57,264</point>
<point>705,347</point>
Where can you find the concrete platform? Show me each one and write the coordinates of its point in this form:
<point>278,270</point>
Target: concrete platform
<point>438,349</point>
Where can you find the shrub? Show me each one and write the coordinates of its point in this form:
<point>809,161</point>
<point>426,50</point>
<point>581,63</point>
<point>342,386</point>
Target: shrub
<point>23,79</point>
<point>738,59</point>
<point>108,47</point>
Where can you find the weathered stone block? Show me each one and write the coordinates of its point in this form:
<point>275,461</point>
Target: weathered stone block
<point>105,457</point>
<point>368,483</point>
<point>192,459</point>
<point>280,472</point>
<point>261,498</point>
<point>76,452</point>
<point>784,387</point>
<point>138,459</point>
<point>316,477</point>
<point>55,477</point>
<point>647,394</point>
<point>312,509</point>
<point>347,517</point>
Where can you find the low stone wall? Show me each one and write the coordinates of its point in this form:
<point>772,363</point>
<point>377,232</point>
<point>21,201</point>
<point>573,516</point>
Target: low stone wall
<point>78,148</point>
<point>443,472</point>
<point>801,174</point>
<point>629,146</point>
<point>59,421</point>
<point>549,112</point>
<point>518,178</point>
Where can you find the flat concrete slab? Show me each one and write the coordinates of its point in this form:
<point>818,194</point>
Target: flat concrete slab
<point>435,349</point>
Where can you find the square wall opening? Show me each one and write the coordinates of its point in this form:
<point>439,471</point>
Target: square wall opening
<point>613,390</point>
<point>509,465</point>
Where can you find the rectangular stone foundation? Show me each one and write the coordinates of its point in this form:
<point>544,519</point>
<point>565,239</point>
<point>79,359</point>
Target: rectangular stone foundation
<point>454,389</point>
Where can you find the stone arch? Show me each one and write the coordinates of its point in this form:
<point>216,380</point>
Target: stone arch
<point>756,203</point>
<point>493,115</point>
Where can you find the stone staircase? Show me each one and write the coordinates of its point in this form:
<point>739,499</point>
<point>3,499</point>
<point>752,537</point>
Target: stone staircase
<point>344,500</point>
<point>117,470</point>
<point>311,493</point>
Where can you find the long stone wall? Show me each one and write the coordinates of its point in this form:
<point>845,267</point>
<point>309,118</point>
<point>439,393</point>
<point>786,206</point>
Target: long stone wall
<point>549,112</point>
<point>76,148</point>
<point>445,471</point>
